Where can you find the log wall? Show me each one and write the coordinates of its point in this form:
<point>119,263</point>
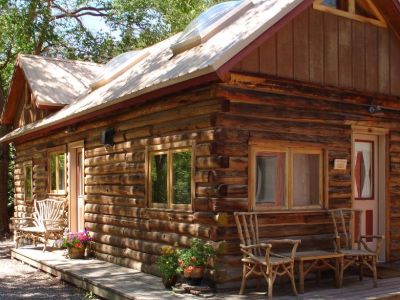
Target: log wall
<point>125,229</point>
<point>331,50</point>
<point>296,114</point>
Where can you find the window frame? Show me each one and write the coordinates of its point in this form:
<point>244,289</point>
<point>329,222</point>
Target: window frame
<point>351,14</point>
<point>57,151</point>
<point>289,150</point>
<point>28,164</point>
<point>170,171</point>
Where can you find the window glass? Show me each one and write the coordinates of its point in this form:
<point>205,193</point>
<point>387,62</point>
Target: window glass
<point>57,172</point>
<point>339,4</point>
<point>61,171</point>
<point>306,179</point>
<point>363,170</point>
<point>182,179</point>
<point>159,181</point>
<point>28,182</point>
<point>270,178</point>
<point>53,174</point>
<point>286,177</point>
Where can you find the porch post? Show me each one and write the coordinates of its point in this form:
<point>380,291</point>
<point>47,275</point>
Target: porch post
<point>4,158</point>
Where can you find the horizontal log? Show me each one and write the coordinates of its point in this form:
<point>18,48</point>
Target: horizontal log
<point>212,162</point>
<point>111,200</point>
<point>116,190</point>
<point>116,168</point>
<point>122,179</point>
<point>113,210</point>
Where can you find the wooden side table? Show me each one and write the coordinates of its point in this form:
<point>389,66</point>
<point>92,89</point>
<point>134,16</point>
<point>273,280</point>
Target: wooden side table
<point>316,260</point>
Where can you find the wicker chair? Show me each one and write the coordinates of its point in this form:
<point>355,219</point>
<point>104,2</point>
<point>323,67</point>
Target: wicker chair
<point>258,258</point>
<point>362,256</point>
<point>47,222</point>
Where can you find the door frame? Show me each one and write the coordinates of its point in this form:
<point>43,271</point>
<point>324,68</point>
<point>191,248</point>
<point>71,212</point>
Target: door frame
<point>383,186</point>
<point>72,200</point>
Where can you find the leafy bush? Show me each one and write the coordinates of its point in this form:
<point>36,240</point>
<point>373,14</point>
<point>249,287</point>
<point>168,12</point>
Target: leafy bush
<point>168,262</point>
<point>199,254</point>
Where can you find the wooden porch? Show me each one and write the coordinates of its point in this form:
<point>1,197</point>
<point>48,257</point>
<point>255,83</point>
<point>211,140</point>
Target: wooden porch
<point>115,282</point>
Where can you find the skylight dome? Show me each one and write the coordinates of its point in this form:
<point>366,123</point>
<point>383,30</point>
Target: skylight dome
<point>209,23</point>
<point>117,66</point>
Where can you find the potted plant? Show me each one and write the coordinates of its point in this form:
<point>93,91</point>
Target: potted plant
<point>168,265</point>
<point>194,260</point>
<point>76,243</point>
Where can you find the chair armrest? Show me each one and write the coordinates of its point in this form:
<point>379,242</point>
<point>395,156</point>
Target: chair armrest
<point>50,222</point>
<point>379,239</point>
<point>20,219</point>
<point>261,245</point>
<point>294,243</point>
<point>21,222</point>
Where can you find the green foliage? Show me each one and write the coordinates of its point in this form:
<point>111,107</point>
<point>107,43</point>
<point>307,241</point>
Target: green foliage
<point>199,254</point>
<point>159,173</point>
<point>57,28</point>
<point>182,176</point>
<point>168,262</point>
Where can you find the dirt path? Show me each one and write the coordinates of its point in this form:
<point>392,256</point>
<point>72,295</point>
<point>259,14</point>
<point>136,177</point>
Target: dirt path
<point>20,281</point>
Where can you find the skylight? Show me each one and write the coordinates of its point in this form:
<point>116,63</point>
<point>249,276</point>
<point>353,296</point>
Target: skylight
<point>209,23</point>
<point>117,66</point>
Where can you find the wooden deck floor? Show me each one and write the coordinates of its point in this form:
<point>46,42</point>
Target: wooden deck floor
<point>115,282</point>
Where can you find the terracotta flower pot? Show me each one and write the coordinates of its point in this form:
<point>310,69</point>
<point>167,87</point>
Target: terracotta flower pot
<point>194,274</point>
<point>169,282</point>
<point>76,252</point>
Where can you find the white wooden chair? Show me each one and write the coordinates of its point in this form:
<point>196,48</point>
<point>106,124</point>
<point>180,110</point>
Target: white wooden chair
<point>360,256</point>
<point>47,222</point>
<point>258,258</point>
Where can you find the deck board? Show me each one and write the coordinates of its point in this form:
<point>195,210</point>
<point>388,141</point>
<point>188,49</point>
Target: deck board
<point>115,282</point>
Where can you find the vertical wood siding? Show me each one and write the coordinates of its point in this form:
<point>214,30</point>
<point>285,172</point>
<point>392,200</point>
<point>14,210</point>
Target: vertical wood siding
<point>331,50</point>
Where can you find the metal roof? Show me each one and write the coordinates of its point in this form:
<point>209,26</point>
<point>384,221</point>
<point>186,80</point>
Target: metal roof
<point>162,69</point>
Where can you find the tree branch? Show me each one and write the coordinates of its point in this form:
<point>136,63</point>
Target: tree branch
<point>80,12</point>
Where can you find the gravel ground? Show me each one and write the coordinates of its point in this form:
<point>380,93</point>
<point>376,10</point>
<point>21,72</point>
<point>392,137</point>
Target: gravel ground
<point>20,281</point>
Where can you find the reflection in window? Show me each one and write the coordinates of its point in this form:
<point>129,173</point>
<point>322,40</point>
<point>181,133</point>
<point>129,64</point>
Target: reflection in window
<point>182,179</point>
<point>171,178</point>
<point>159,178</point>
<point>286,177</point>
<point>28,181</point>
<point>57,172</point>
<point>270,178</point>
<point>306,178</point>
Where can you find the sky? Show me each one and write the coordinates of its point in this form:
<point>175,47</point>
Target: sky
<point>97,24</point>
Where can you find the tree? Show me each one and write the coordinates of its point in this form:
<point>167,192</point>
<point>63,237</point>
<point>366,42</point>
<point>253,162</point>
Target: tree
<point>57,28</point>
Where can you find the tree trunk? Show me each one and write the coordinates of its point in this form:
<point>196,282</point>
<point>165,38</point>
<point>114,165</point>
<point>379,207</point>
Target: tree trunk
<point>4,158</point>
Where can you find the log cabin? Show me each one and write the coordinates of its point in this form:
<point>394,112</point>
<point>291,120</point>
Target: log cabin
<point>289,107</point>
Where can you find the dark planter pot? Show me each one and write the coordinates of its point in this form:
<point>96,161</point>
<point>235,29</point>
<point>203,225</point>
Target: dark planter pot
<point>194,275</point>
<point>169,282</point>
<point>76,253</point>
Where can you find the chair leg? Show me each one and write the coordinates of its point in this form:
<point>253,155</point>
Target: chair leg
<point>291,275</point>
<point>45,242</point>
<point>374,271</point>
<point>361,270</point>
<point>270,281</point>
<point>243,285</point>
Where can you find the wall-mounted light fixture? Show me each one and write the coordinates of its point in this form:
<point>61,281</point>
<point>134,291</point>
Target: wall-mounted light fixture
<point>373,109</point>
<point>107,137</point>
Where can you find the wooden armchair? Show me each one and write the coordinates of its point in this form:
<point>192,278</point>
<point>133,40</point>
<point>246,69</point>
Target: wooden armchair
<point>343,222</point>
<point>258,258</point>
<point>47,222</point>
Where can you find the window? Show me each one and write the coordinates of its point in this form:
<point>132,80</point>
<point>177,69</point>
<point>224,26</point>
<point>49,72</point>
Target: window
<point>359,10</point>
<point>285,177</point>
<point>57,172</point>
<point>170,178</point>
<point>28,180</point>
